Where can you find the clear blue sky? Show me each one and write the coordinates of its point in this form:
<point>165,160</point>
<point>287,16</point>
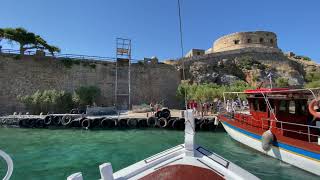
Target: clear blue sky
<point>91,26</point>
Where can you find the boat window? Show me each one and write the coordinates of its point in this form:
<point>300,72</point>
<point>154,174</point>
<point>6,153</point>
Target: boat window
<point>292,107</point>
<point>263,106</point>
<point>301,107</point>
<point>256,104</point>
<point>272,105</point>
<point>283,106</point>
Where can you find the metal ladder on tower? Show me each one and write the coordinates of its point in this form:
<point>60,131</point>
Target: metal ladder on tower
<point>122,93</point>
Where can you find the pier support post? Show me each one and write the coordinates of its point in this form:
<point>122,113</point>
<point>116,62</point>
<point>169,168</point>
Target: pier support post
<point>106,171</point>
<point>189,132</point>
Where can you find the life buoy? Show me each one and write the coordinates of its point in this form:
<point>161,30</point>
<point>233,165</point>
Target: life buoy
<point>311,106</point>
<point>266,140</point>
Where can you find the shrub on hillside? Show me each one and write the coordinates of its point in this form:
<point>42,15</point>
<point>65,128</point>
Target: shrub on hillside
<point>47,101</point>
<point>312,76</point>
<point>282,82</point>
<point>86,95</point>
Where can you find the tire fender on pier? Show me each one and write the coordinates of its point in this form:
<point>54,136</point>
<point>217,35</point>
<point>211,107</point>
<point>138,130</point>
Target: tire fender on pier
<point>56,120</point>
<point>122,123</point>
<point>31,122</point>
<point>162,122</point>
<point>39,123</point>
<point>22,123</point>
<point>108,123</point>
<point>48,120</point>
<point>86,123</point>
<point>152,121</point>
<point>132,123</point>
<point>266,140</point>
<point>66,120</point>
<point>142,123</point>
<point>165,113</point>
<point>178,124</point>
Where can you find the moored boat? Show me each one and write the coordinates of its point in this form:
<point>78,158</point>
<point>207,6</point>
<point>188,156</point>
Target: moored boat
<point>185,161</point>
<point>279,123</point>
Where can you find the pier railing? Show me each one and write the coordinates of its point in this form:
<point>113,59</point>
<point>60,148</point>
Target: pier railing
<point>306,132</point>
<point>65,56</point>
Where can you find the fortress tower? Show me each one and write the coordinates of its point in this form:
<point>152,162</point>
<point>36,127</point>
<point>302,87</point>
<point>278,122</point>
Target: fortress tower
<point>240,40</point>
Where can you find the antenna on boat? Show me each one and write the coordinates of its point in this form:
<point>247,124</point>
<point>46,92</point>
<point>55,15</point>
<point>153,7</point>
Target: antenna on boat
<point>182,53</point>
<point>270,79</point>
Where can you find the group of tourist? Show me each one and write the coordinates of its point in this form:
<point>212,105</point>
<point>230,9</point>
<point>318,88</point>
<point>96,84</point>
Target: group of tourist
<point>234,105</point>
<point>209,108</point>
<point>206,108</point>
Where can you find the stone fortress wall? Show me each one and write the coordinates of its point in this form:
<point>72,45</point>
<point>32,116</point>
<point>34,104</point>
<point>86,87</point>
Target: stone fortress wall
<point>25,76</point>
<point>240,40</point>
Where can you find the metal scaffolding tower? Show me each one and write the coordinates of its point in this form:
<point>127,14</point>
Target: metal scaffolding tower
<point>123,69</point>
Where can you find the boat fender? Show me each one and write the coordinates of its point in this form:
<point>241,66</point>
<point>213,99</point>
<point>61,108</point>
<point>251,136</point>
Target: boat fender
<point>66,120</point>
<point>162,122</point>
<point>311,106</point>
<point>266,140</point>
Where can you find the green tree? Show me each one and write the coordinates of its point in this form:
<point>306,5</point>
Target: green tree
<point>26,40</point>
<point>86,95</point>
<point>208,92</point>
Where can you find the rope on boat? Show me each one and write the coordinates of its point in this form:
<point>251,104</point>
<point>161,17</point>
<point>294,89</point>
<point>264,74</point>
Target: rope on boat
<point>182,53</point>
<point>269,107</point>
<point>314,96</point>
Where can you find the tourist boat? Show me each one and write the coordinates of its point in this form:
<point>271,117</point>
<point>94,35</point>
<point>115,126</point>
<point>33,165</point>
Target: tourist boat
<point>279,123</point>
<point>185,161</point>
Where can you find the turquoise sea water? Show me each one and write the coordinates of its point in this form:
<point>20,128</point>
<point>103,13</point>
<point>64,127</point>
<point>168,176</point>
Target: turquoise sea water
<point>57,153</point>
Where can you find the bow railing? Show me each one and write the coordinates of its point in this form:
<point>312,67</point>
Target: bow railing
<point>9,162</point>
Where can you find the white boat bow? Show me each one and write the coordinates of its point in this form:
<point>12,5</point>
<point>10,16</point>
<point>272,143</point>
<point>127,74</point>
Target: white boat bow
<point>186,160</point>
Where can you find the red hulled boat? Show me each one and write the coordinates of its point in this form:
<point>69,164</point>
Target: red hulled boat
<point>280,123</point>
